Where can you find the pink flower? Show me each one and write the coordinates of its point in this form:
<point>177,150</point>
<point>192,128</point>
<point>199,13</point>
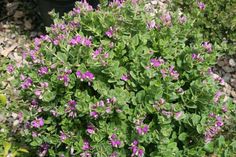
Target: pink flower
<point>173,73</point>
<point>37,123</point>
<point>110,32</point>
<point>142,129</point>
<point>86,145</point>
<point>166,19</point>
<point>114,141</point>
<point>43,71</point>
<point>38,92</point>
<point>96,52</point>
<point>90,129</point>
<point>201,5</point>
<point>94,114</point>
<point>125,77</point>
<point>71,108</point>
<point>63,136</point>
<point>76,11</point>
<point>44,84</point>
<point>10,68</point>
<point>156,62</point>
<point>27,83</point>
<point>151,24</point>
<point>182,19</point>
<point>207,46</point>
<point>217,96</point>
<point>178,115</point>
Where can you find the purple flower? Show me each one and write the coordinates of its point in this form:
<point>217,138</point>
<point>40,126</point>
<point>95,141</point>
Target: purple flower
<point>34,103</point>
<point>114,154</point>
<point>44,84</point>
<point>224,108</point>
<point>37,123</point>
<point>56,42</point>
<point>110,32</point>
<point>65,78</point>
<point>43,150</point>
<point>151,24</point>
<point>90,129</point>
<point>94,114</point>
<point>10,68</point>
<point>163,73</point>
<point>76,10</point>
<point>178,115</point>
<point>156,62</point>
<point>217,96</point>
<point>34,134</point>
<point>54,113</point>
<point>135,150</point>
<point>63,136</point>
<point>45,38</point>
<point>207,46</point>
<point>86,42</point>
<point>114,141</point>
<point>89,75</point>
<point>167,113</point>
<point>219,123</point>
<point>86,145</point>
<point>173,73</point>
<point>125,77</point>
<point>43,71</point>
<point>71,109</point>
<point>85,154</point>
<point>182,19</point>
<point>37,41</point>
<point>38,92</point>
<point>27,83</point>
<point>166,19</point>
<point>96,53</point>
<point>80,75</point>
<point>197,57</point>
<point>142,129</point>
<point>201,5</point>
<point>76,40</point>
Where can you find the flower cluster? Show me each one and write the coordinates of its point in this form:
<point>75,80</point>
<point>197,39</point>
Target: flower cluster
<point>87,76</point>
<point>65,76</point>
<point>212,131</point>
<point>105,107</point>
<point>71,109</point>
<point>136,151</point>
<point>114,141</point>
<point>78,39</point>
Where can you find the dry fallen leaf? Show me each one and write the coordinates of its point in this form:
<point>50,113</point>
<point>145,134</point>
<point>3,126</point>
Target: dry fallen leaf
<point>18,14</point>
<point>28,24</point>
<point>6,52</point>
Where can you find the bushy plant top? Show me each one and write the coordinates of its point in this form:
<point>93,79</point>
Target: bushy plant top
<point>117,82</point>
<point>217,20</point>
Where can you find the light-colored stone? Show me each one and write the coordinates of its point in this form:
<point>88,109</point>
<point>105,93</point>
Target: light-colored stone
<point>221,63</point>
<point>227,77</point>
<point>228,69</point>
<point>232,62</point>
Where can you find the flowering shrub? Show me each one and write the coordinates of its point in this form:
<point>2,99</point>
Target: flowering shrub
<point>117,82</point>
<point>217,20</point>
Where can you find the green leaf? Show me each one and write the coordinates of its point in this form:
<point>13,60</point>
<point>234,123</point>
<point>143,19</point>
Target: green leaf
<point>23,150</point>
<point>3,99</point>
<point>183,136</point>
<point>62,56</point>
<point>195,119</point>
<point>7,147</point>
<point>209,147</point>
<point>49,96</point>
